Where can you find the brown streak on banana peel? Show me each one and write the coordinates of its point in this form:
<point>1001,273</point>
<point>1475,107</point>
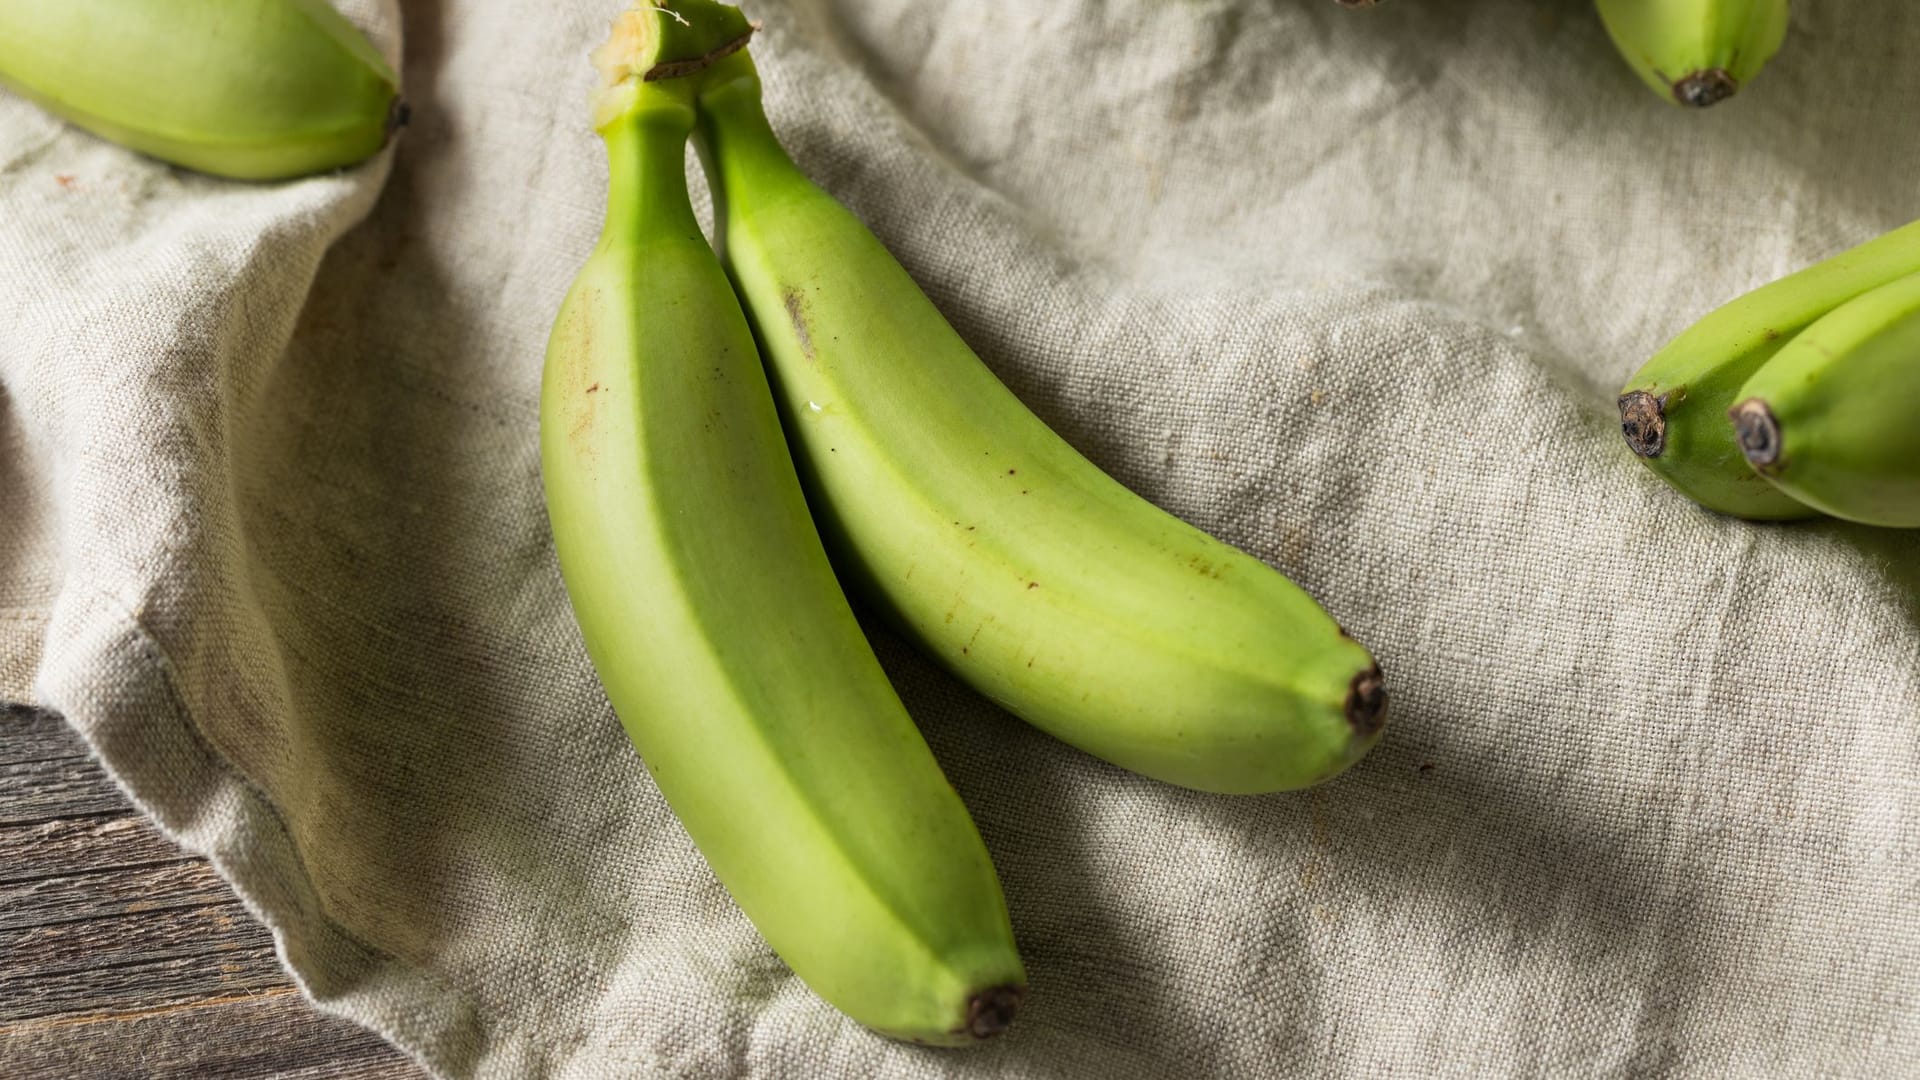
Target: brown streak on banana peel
<point>1643,420</point>
<point>797,315</point>
<point>674,69</point>
<point>1758,432</point>
<point>583,410</point>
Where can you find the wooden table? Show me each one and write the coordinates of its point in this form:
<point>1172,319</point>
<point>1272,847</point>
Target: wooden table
<point>123,956</point>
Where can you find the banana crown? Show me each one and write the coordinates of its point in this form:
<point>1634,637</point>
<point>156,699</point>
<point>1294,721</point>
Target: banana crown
<point>661,39</point>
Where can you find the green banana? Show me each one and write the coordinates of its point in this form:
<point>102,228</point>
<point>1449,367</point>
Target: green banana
<point>1004,554</point>
<point>714,620</point>
<point>1673,411</point>
<point>248,89</point>
<point>1696,52</point>
<point>1834,419</point>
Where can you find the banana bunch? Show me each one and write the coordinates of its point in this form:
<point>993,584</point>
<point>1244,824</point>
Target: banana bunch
<point>1799,398</point>
<point>248,89</point>
<point>713,618</point>
<point>710,609</point>
<point>1696,52</point>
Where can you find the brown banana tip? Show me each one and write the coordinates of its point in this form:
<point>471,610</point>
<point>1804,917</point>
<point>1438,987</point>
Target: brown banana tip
<point>1758,432</point>
<point>1356,3</point>
<point>1704,88</point>
<point>1366,706</point>
<point>990,1011</point>
<point>1643,420</point>
<point>398,114</point>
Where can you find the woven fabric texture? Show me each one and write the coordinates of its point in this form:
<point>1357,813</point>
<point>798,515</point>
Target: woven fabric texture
<point>1351,290</point>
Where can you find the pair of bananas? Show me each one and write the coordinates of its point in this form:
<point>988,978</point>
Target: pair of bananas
<point>689,451</point>
<point>247,89</point>
<point>1799,398</point>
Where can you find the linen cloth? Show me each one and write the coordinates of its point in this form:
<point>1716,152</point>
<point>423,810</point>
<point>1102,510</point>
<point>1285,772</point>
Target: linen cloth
<point>1351,290</point>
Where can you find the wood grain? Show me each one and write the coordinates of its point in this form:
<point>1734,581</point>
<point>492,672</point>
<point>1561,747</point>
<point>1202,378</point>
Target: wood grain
<point>123,956</point>
<point>76,845</point>
<point>35,791</point>
<point>270,1033</point>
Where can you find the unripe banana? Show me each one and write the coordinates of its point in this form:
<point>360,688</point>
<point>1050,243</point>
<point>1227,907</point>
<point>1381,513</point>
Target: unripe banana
<point>249,89</point>
<point>1696,52</point>
<point>1673,411</point>
<point>713,618</point>
<point>1003,553</point>
<point>1834,419</point>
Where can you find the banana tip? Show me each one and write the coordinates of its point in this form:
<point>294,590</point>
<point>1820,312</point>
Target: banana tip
<point>990,1011</point>
<point>1366,705</point>
<point>1704,88</point>
<point>1758,431</point>
<point>1643,420</point>
<point>398,114</point>
<point>1356,3</point>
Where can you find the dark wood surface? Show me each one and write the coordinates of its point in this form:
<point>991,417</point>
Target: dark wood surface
<point>123,956</point>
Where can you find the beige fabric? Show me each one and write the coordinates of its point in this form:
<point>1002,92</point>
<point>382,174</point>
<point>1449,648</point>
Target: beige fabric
<point>1349,289</point>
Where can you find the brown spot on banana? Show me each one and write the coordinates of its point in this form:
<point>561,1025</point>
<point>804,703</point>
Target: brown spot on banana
<point>796,305</point>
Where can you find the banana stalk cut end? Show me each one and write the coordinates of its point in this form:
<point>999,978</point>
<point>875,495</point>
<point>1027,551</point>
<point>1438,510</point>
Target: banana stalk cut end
<point>674,69</point>
<point>1758,431</point>
<point>662,39</point>
<point>1643,420</point>
<point>1704,88</point>
<point>990,1012</point>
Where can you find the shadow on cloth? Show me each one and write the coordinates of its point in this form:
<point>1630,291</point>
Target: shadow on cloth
<point>388,488</point>
<point>1129,896</point>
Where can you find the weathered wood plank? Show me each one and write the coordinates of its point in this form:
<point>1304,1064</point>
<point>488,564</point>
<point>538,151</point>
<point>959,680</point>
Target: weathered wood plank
<point>127,962</point>
<point>34,791</point>
<point>272,1033</point>
<point>140,984</point>
<point>50,901</point>
<point>110,941</point>
<point>123,956</point>
<point>66,846</point>
<point>27,735</point>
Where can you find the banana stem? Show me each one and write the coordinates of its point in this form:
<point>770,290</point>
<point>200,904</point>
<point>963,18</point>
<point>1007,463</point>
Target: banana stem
<point>737,145</point>
<point>646,167</point>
